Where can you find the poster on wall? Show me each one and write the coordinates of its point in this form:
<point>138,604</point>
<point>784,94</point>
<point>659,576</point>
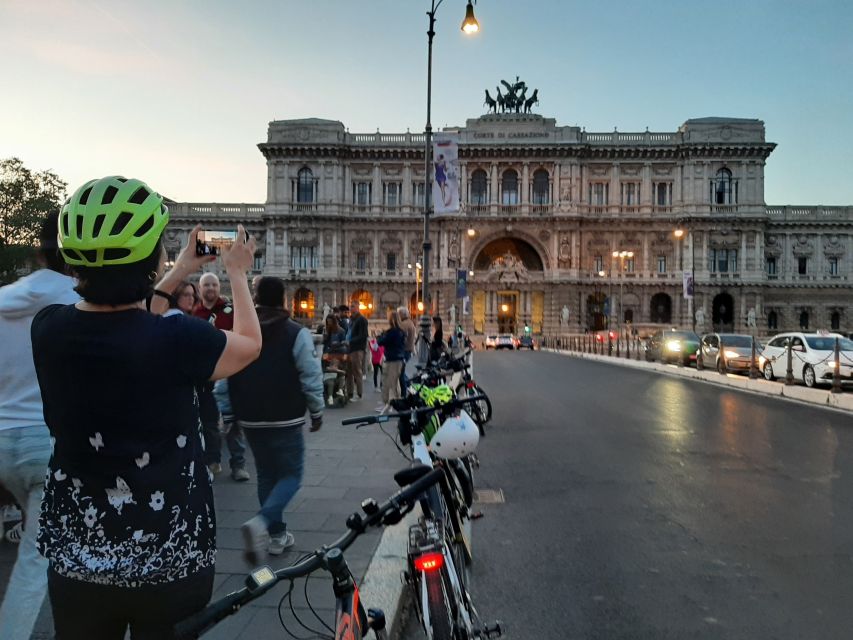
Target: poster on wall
<point>445,183</point>
<point>688,285</point>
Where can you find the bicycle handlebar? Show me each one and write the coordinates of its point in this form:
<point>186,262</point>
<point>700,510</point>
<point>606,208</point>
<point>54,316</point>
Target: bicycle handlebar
<point>385,417</point>
<point>391,512</point>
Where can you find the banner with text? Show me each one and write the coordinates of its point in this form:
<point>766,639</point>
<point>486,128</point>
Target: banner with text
<point>461,283</point>
<point>688,285</point>
<point>445,183</point>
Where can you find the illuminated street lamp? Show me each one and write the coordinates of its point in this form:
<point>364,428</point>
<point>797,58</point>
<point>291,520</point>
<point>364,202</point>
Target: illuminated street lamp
<point>472,233</point>
<point>679,233</point>
<point>469,26</point>
<point>622,255</point>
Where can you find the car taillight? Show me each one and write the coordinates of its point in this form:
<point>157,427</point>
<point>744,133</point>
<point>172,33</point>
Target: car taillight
<point>429,562</point>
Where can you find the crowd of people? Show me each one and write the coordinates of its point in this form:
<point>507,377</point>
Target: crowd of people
<point>119,383</point>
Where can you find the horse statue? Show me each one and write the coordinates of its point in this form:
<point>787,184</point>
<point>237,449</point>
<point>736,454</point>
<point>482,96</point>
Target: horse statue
<point>501,100</point>
<point>490,102</point>
<point>520,100</point>
<point>534,99</point>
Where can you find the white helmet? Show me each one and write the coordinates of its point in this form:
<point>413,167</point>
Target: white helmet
<point>456,437</point>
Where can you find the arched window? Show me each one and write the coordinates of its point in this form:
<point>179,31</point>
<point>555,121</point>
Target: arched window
<point>541,187</point>
<point>416,307</point>
<point>835,321</point>
<point>804,320</point>
<point>724,188</point>
<point>479,187</point>
<point>303,303</point>
<point>772,320</point>
<point>629,315</point>
<point>363,300</point>
<point>509,187</point>
<point>305,186</point>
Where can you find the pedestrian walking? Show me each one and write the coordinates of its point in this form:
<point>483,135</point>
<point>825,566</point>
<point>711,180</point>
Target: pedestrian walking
<point>270,398</point>
<point>377,356</point>
<point>408,327</point>
<point>218,311</point>
<point>394,342</point>
<point>127,520</point>
<point>357,340</point>
<point>24,437</point>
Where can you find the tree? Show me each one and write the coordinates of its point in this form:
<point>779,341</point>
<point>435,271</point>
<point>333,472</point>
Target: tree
<point>25,198</point>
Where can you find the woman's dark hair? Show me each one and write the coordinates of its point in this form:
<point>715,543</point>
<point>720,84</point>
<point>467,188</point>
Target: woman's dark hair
<point>176,294</point>
<point>119,283</point>
<point>332,325</point>
<point>270,292</point>
<point>439,328</point>
<point>48,249</point>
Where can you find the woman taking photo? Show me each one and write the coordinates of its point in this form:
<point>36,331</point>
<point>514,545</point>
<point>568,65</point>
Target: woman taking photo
<point>127,522</point>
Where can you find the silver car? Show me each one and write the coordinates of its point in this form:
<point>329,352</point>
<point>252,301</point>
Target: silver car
<point>737,352</point>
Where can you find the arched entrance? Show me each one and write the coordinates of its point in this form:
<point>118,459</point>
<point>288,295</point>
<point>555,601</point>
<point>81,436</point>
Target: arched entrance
<point>501,252</point>
<point>416,307</point>
<point>661,308</point>
<point>363,300</point>
<point>723,312</point>
<point>303,303</point>
<point>595,311</point>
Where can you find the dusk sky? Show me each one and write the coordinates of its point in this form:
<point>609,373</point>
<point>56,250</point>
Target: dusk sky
<point>179,93</point>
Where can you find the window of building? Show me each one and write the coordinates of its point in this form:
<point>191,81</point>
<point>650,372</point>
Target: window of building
<point>258,262</point>
<point>835,321</point>
<point>804,320</point>
<point>392,194</point>
<point>802,265</point>
<point>541,187</point>
<point>629,265</point>
<point>305,186</point>
<point>303,303</point>
<point>361,261</point>
<point>361,193</point>
<point>724,188</point>
<point>724,260</point>
<point>598,264</point>
<point>509,187</point>
<point>771,266</point>
<point>391,262</point>
<point>630,193</point>
<point>479,193</point>
<point>772,320</point>
<point>629,316</point>
<point>833,266</point>
<point>598,192</point>
<point>303,258</point>
<point>663,194</point>
<point>418,194</point>
<point>661,264</point>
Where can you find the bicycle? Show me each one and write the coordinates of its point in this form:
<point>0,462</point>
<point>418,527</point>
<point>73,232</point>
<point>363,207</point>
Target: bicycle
<point>351,620</point>
<point>439,583</point>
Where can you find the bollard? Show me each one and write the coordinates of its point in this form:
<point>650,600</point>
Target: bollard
<point>789,374</point>
<point>753,368</point>
<point>628,348</point>
<point>700,359</point>
<point>836,370</point>
<point>637,349</point>
<point>721,359</point>
<point>618,341</point>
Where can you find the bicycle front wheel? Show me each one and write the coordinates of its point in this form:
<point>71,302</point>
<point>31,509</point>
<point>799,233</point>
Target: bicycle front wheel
<point>439,611</point>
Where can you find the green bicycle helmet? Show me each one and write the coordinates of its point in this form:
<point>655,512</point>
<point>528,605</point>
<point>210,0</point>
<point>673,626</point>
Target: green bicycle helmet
<point>111,221</point>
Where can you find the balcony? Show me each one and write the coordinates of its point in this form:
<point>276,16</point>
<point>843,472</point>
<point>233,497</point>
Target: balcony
<point>303,207</point>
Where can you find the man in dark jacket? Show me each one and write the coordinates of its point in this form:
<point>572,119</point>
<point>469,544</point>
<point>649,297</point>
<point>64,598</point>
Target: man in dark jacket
<point>357,338</point>
<point>270,398</point>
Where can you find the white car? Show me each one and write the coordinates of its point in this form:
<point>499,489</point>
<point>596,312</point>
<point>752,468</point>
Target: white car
<point>812,357</point>
<point>491,341</point>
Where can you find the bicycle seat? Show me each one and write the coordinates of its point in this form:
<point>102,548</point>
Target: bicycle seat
<point>405,477</point>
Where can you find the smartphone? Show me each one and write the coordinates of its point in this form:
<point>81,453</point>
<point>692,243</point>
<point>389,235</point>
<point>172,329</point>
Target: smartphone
<point>204,249</point>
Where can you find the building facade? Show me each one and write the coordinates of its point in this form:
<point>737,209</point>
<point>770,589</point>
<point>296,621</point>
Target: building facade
<point>560,229</point>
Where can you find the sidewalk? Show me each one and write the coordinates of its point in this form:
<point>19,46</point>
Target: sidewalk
<point>342,467</point>
<point>796,392</point>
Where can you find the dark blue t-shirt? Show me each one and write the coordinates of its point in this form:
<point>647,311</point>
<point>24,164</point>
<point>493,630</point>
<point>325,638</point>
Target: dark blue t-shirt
<point>128,498</point>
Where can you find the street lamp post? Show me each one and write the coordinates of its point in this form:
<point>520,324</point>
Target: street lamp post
<point>679,233</point>
<point>469,25</point>
<point>621,255</point>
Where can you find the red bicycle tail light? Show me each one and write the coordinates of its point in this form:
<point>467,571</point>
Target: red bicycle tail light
<point>429,562</point>
<point>471,385</point>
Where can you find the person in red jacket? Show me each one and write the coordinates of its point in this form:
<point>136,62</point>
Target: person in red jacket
<point>218,311</point>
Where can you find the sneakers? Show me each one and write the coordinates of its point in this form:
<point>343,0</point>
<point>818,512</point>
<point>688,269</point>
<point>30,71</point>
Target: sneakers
<point>382,408</point>
<point>240,475</point>
<point>255,538</point>
<point>377,390</point>
<point>278,544</point>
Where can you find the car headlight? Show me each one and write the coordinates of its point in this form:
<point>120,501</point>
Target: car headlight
<point>832,364</point>
<point>673,345</point>
<point>761,361</point>
<point>732,354</point>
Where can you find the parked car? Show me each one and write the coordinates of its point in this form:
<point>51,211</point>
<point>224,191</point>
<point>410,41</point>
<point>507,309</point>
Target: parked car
<point>812,357</point>
<point>505,341</point>
<point>737,351</point>
<point>491,342</point>
<point>526,342</point>
<point>672,345</point>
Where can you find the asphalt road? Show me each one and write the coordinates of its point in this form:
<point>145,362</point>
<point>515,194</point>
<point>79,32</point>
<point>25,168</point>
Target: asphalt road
<point>644,506</point>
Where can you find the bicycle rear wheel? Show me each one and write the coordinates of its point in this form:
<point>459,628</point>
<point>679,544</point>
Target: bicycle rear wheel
<point>439,610</point>
<point>480,411</point>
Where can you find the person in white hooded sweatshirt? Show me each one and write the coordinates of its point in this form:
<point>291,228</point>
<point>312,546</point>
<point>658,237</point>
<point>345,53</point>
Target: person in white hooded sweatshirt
<point>25,444</point>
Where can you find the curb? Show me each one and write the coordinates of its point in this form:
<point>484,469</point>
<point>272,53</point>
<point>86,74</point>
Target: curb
<point>760,386</point>
<point>382,586</point>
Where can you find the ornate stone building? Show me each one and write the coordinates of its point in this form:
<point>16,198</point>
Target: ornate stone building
<point>545,207</point>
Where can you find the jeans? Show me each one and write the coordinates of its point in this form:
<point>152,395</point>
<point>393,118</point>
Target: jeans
<point>208,412</point>
<point>90,611</point>
<point>390,378</point>
<point>377,371</point>
<point>24,454</point>
<point>355,372</point>
<point>236,442</point>
<point>279,457</point>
